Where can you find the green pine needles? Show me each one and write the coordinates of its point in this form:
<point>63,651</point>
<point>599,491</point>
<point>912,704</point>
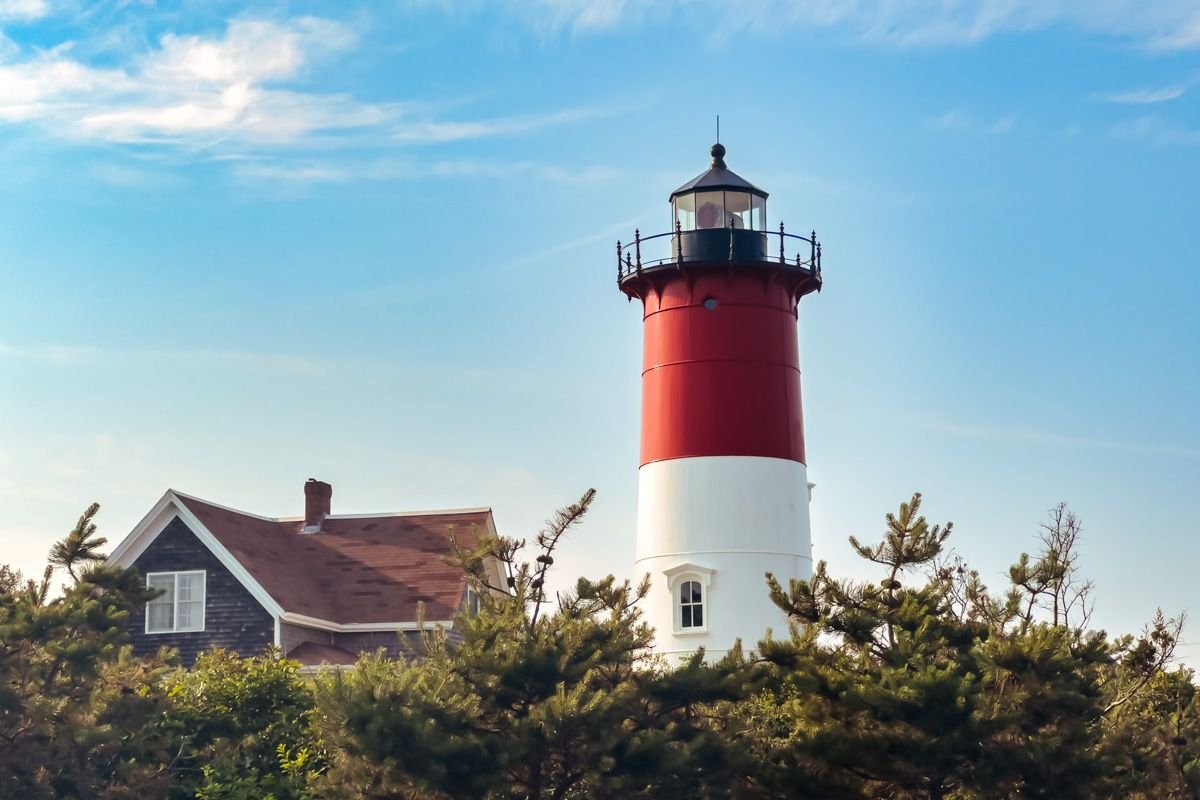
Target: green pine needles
<point>921,684</point>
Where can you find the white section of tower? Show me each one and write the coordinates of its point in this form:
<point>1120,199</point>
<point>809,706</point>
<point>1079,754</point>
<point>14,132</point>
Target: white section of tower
<point>723,521</point>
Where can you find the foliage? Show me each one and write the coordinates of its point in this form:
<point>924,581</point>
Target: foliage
<point>80,716</point>
<point>81,547</point>
<point>922,684</point>
<point>77,710</point>
<point>532,701</point>
<point>245,728</point>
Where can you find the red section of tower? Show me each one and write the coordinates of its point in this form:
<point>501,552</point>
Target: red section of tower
<point>721,369</point>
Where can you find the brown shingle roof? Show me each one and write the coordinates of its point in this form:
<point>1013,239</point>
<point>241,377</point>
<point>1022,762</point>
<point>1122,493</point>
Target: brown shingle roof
<point>357,569</point>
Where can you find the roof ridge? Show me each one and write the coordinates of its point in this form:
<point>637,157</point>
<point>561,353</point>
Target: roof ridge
<point>185,496</point>
<point>427,513</point>
<point>423,513</point>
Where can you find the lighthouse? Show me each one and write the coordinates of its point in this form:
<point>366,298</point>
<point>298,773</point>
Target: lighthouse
<point>723,489</point>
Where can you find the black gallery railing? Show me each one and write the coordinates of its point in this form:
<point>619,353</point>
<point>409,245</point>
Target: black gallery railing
<point>681,247</point>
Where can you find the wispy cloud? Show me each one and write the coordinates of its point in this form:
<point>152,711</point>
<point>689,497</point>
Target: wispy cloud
<point>1035,436</point>
<point>1164,24</point>
<point>52,353</point>
<point>1141,97</point>
<point>124,176</point>
<point>191,88</point>
<point>1157,130</point>
<point>71,355</point>
<point>433,131</point>
<point>309,171</point>
<point>242,86</point>
<point>23,9</point>
<point>958,121</point>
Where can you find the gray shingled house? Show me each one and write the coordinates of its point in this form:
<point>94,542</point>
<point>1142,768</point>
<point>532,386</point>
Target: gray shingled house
<point>323,587</point>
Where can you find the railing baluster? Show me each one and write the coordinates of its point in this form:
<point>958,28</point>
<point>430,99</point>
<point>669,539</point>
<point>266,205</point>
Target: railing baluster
<point>782,259</point>
<point>637,243</point>
<point>678,242</point>
<point>812,259</point>
<point>619,272</point>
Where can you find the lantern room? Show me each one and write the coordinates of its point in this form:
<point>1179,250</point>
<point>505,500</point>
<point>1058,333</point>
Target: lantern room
<point>719,198</point>
<point>719,221</point>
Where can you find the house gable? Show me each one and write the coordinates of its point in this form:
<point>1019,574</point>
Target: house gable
<point>165,511</point>
<point>233,617</point>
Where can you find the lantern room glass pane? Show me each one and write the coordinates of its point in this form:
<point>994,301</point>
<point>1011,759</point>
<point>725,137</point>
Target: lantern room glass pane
<point>710,209</point>
<point>758,213</point>
<point>737,210</point>
<point>685,212</point>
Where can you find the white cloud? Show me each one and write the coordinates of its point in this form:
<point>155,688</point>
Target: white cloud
<point>125,176</point>
<point>958,121</point>
<point>1140,97</point>
<point>1164,24</point>
<point>1028,435</point>
<point>42,86</point>
<point>239,86</point>
<point>315,172</point>
<point>1159,131</point>
<point>252,51</point>
<point>23,9</point>
<point>431,131</point>
<point>192,89</point>
<point>69,355</point>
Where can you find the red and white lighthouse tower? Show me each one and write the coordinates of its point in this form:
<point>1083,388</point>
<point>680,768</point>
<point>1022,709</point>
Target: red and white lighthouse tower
<point>723,488</point>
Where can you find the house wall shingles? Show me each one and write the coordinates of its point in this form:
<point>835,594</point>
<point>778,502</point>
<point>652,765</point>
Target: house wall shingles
<point>395,643</point>
<point>233,619</point>
<point>292,636</point>
<point>370,641</point>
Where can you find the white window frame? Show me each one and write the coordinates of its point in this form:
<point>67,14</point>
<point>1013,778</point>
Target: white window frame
<point>468,596</point>
<point>175,601</point>
<point>676,577</point>
<point>692,605</point>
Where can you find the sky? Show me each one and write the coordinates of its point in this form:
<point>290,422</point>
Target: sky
<point>245,244</point>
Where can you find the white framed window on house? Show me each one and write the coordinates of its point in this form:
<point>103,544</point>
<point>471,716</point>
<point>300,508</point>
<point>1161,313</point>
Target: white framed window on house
<point>180,607</point>
<point>689,585</point>
<point>471,602</point>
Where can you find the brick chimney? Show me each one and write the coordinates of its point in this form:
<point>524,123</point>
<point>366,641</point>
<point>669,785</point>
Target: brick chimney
<point>317,495</point>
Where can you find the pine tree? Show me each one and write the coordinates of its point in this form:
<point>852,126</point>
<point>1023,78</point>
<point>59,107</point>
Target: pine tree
<point>81,547</point>
<point>77,711</point>
<point>913,687</point>
<point>539,699</point>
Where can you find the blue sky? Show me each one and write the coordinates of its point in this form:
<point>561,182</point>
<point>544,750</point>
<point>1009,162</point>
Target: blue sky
<point>246,244</point>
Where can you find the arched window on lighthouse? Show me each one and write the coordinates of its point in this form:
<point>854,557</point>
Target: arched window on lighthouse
<point>691,605</point>
<point>689,586</point>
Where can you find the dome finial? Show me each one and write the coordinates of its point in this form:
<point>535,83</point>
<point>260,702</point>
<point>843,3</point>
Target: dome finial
<point>718,156</point>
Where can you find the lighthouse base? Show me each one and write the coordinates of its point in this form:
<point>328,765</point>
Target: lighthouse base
<point>709,529</point>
